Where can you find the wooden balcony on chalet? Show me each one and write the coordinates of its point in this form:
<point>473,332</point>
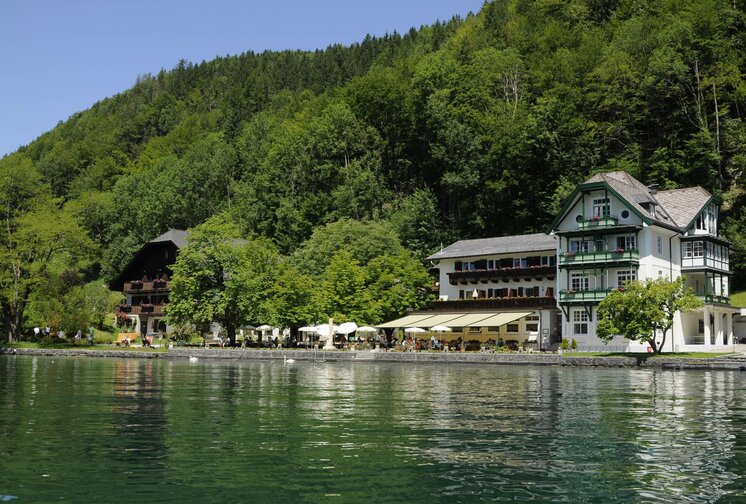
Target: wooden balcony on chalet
<point>529,303</point>
<point>143,309</point>
<point>495,275</point>
<point>569,259</point>
<point>137,286</point>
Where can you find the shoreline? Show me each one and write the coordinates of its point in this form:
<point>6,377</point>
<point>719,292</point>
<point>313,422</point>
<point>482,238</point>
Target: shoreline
<point>729,363</point>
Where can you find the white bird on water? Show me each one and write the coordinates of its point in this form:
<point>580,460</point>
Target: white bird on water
<point>193,359</point>
<point>287,361</point>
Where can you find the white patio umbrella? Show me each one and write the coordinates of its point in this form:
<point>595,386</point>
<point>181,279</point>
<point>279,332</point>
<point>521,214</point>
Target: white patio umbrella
<point>414,330</point>
<point>323,331</point>
<point>264,327</point>
<point>346,328</point>
<point>307,329</point>
<point>441,328</point>
<point>367,329</point>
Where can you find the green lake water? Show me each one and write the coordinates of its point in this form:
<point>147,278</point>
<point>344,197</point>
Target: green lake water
<point>119,430</point>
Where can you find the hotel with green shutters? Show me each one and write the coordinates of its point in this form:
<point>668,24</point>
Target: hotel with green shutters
<point>612,229</point>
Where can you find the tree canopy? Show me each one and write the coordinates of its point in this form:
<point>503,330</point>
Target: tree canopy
<point>463,129</point>
<point>642,310</point>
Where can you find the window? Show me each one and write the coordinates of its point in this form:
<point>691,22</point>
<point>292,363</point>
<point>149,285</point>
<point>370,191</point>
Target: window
<point>697,249</point>
<point>579,282</point>
<point>625,214</point>
<point>625,276</point>
<point>701,326</point>
<point>687,250</point>
<point>512,328</point>
<point>532,327</point>
<point>627,242</point>
<point>601,207</point>
<point>579,246</point>
<point>580,322</point>
<point>659,244</point>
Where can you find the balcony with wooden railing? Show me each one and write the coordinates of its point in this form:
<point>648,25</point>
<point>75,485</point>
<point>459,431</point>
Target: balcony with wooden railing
<point>495,275</point>
<point>599,257</point>
<point>598,222</point>
<point>583,296</point>
<point>137,286</point>
<point>708,298</point>
<point>143,309</point>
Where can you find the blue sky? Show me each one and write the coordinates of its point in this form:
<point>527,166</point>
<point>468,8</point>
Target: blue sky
<point>58,57</point>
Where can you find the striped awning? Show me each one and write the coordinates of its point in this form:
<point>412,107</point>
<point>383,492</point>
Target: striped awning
<point>462,319</point>
<point>408,321</point>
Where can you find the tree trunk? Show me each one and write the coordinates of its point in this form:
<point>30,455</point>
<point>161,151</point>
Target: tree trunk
<point>231,329</point>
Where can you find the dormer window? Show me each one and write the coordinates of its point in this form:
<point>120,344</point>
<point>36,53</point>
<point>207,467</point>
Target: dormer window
<point>706,221</point>
<point>601,207</point>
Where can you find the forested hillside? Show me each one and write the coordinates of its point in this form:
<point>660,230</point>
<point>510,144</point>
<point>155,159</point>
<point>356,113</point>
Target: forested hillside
<point>468,128</point>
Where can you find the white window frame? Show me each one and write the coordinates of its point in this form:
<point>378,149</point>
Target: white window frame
<point>579,322</point>
<point>579,282</point>
<point>625,276</point>
<point>659,244</point>
<point>698,249</point>
<point>601,207</point>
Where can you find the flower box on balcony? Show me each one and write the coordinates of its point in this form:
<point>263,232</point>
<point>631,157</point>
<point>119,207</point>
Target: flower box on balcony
<point>136,284</point>
<point>618,250</point>
<point>159,284</point>
<point>146,307</point>
<point>125,308</point>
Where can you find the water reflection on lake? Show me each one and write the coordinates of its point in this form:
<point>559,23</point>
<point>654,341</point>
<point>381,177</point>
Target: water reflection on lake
<point>160,431</point>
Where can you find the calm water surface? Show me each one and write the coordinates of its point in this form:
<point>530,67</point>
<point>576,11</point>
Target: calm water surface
<point>96,430</point>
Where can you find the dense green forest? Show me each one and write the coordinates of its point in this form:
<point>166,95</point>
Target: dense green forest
<point>468,128</point>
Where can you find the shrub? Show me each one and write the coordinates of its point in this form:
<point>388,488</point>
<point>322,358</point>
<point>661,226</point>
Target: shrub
<point>564,345</point>
<point>574,344</point>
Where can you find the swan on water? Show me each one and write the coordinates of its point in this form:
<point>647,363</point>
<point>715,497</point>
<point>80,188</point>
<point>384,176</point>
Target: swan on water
<point>287,361</point>
<point>193,359</point>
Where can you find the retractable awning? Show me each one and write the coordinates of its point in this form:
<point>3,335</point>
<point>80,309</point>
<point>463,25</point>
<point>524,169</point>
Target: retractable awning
<point>501,319</point>
<point>444,319</point>
<point>408,321</point>
<point>480,319</point>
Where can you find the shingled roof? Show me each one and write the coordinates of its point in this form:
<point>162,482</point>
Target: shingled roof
<point>177,236</point>
<point>683,205</point>
<point>537,242</point>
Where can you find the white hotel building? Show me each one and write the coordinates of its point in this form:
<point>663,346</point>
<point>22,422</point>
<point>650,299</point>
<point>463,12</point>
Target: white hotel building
<point>613,229</point>
<point>541,287</point>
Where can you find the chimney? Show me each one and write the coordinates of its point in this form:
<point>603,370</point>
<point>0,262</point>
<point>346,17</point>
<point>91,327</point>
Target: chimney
<point>653,188</point>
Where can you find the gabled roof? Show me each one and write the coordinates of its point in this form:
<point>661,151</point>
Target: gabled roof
<point>536,242</point>
<point>177,236</point>
<point>673,209</point>
<point>684,205</point>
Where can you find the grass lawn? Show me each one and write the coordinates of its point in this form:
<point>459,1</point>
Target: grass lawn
<point>738,299</point>
<point>680,355</point>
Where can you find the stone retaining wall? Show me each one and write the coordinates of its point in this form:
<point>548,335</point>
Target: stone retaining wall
<point>722,363</point>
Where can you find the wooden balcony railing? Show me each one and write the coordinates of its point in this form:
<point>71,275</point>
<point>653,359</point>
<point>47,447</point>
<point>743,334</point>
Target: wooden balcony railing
<point>145,309</point>
<point>138,286</point>
<point>598,222</point>
<point>583,296</point>
<point>603,256</point>
<point>495,275</point>
<point>713,299</point>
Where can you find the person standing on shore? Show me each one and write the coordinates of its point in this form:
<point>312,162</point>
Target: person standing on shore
<point>91,334</point>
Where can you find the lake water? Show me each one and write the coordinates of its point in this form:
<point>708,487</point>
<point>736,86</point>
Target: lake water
<point>111,430</point>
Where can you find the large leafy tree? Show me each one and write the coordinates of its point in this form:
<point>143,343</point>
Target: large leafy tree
<point>42,244</point>
<point>218,277</point>
<point>641,310</point>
